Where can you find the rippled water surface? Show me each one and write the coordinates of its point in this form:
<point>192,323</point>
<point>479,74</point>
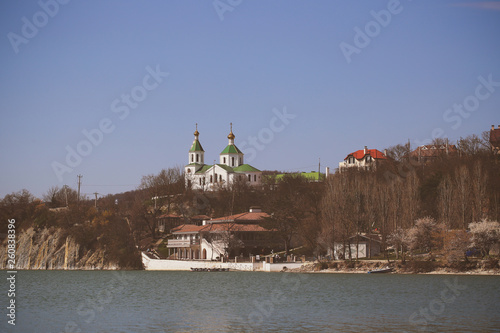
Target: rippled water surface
<point>140,301</point>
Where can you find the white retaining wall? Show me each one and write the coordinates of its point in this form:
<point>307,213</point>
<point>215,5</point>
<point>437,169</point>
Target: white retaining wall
<point>185,265</point>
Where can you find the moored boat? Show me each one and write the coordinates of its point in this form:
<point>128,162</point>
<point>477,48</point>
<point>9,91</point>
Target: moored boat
<point>381,270</point>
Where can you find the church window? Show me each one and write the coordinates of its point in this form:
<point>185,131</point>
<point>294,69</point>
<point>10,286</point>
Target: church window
<point>216,178</point>
<point>211,180</point>
<point>220,178</point>
<point>200,181</point>
<point>254,178</point>
<point>224,160</point>
<point>192,158</point>
<point>232,161</point>
<point>197,158</point>
<point>249,178</point>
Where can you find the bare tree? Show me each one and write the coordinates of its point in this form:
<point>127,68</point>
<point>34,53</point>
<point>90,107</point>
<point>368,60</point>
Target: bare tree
<point>485,234</point>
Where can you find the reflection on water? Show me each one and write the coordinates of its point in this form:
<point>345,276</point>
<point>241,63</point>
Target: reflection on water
<point>139,301</point>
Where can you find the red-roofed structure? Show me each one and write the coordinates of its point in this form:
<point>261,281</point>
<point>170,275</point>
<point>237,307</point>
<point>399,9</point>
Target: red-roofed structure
<point>363,158</point>
<point>427,153</point>
<point>495,139</point>
<point>233,235</point>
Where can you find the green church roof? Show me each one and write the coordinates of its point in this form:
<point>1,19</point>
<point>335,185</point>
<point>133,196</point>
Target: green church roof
<point>196,146</point>
<point>231,149</point>
<point>246,168</point>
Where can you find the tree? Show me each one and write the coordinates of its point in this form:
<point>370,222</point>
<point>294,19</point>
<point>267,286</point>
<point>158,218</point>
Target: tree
<point>485,234</point>
<point>399,239</point>
<point>285,204</point>
<point>472,145</point>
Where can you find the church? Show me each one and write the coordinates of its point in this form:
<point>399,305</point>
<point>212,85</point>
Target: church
<point>231,167</point>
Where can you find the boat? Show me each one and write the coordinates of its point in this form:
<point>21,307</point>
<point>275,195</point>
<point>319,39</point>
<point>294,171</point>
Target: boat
<point>213,269</point>
<point>381,270</point>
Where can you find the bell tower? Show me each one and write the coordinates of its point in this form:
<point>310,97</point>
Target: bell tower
<point>231,155</point>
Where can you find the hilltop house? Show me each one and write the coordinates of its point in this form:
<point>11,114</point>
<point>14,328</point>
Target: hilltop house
<point>362,159</point>
<point>495,139</point>
<point>426,153</point>
<point>231,167</point>
<point>231,236</point>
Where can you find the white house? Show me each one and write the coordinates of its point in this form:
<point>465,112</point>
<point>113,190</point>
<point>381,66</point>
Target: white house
<point>231,167</point>
<point>363,159</point>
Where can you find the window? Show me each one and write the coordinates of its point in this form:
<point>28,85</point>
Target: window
<point>211,179</point>
<point>200,181</point>
<point>216,178</point>
<point>220,178</point>
<point>192,158</point>
<point>203,180</point>
<point>249,178</point>
<point>232,161</point>
<point>197,158</point>
<point>254,178</point>
<point>224,160</point>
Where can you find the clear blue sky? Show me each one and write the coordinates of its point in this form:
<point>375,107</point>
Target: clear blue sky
<point>261,56</point>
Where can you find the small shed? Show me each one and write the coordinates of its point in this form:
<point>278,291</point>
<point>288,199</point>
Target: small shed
<point>362,246</point>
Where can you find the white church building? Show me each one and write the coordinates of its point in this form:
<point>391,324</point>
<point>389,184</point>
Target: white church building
<point>231,167</point>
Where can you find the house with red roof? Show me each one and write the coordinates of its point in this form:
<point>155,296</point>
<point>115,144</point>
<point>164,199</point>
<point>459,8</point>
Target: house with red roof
<point>362,159</point>
<point>227,236</point>
<point>495,139</point>
<point>426,153</point>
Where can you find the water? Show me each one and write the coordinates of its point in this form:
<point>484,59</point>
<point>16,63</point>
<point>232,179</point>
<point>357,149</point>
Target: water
<point>146,301</point>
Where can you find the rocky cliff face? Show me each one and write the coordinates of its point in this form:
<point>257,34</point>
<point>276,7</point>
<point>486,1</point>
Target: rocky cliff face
<point>50,249</point>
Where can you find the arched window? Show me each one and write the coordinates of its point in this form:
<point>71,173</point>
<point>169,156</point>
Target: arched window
<point>211,180</point>
<point>220,178</point>
<point>249,178</point>
<point>224,160</point>
<point>216,178</point>
<point>254,178</point>
<point>197,158</point>
<point>192,158</point>
<point>232,161</point>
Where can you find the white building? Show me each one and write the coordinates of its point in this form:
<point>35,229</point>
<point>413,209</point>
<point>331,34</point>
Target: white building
<point>362,159</point>
<point>231,167</point>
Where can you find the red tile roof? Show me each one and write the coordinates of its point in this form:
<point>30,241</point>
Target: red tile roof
<point>220,227</point>
<point>433,150</point>
<point>187,228</point>
<point>359,154</point>
<point>247,216</point>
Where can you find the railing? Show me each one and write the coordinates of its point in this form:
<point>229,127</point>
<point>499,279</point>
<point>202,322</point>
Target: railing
<point>182,242</point>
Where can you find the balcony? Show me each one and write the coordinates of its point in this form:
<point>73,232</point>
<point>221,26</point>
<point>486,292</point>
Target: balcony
<point>182,243</point>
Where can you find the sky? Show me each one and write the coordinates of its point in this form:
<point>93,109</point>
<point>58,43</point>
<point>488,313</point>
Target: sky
<point>112,90</point>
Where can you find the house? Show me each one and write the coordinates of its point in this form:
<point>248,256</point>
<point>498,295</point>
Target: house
<point>362,246</point>
<point>363,159</point>
<point>426,153</point>
<point>495,139</point>
<point>234,235</point>
<point>231,167</point>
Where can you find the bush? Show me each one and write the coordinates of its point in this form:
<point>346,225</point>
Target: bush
<point>415,266</point>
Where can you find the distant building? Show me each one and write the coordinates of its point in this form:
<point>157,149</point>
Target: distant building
<point>362,246</point>
<point>362,159</point>
<point>231,167</point>
<point>495,139</point>
<point>426,153</point>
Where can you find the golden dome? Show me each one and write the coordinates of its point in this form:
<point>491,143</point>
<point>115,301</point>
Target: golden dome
<point>196,133</point>
<point>231,135</point>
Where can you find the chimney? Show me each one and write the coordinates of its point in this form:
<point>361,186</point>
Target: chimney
<point>385,152</point>
<point>366,150</point>
<point>327,172</point>
<point>492,127</point>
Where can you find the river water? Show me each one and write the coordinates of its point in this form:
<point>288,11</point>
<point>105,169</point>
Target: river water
<point>147,301</point>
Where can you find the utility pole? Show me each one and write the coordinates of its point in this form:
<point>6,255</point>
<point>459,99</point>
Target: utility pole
<point>79,183</point>
<point>95,193</point>
<point>319,169</point>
